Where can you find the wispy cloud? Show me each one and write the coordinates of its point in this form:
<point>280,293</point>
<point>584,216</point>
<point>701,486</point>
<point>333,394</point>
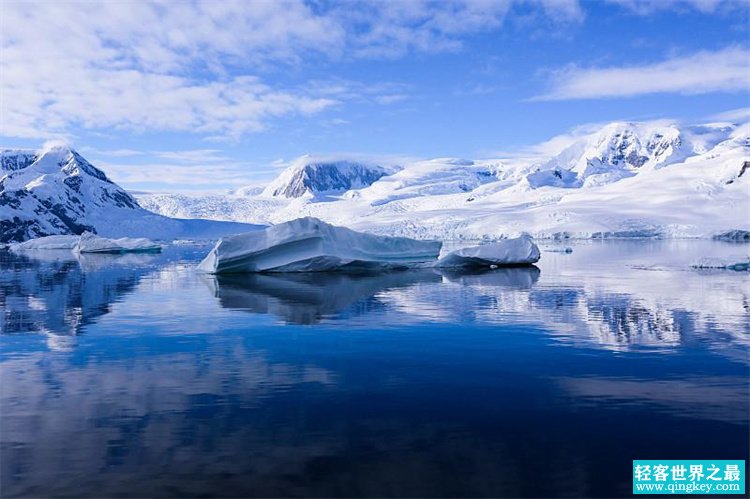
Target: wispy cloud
<point>178,176</point>
<point>193,155</point>
<point>736,115</point>
<point>704,72</point>
<point>648,7</point>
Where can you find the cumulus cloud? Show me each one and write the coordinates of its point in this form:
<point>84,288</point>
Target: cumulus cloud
<point>719,71</point>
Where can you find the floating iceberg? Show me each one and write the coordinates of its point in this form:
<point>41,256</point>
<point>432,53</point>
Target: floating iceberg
<point>91,243</point>
<point>47,243</point>
<point>311,245</point>
<point>738,263</point>
<point>508,252</point>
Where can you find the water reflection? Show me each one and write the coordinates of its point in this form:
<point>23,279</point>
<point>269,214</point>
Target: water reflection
<point>719,398</point>
<point>451,384</point>
<point>513,277</point>
<point>309,297</point>
<point>58,292</point>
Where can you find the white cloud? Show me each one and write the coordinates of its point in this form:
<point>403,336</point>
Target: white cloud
<point>726,70</point>
<point>153,66</point>
<point>178,176</point>
<point>185,66</point>
<point>647,7</point>
<point>390,98</point>
<point>736,115</point>
<point>193,155</point>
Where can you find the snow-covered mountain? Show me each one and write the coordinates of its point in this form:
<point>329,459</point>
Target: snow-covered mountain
<point>56,191</point>
<point>621,150</point>
<point>308,176</point>
<point>622,179</point>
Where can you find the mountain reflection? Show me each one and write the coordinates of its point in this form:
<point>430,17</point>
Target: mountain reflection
<point>59,293</point>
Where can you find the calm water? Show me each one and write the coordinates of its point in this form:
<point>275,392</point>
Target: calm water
<point>134,376</point>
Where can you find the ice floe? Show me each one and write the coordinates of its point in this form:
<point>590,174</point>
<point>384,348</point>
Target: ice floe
<point>47,243</point>
<point>91,243</point>
<point>508,252</point>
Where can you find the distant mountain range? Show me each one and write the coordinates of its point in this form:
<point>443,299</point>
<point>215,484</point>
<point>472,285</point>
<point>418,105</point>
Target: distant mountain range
<point>620,180</point>
<point>654,179</point>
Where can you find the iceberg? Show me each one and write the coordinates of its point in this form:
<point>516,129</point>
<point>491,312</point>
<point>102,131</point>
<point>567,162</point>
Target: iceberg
<point>91,243</point>
<point>311,245</point>
<point>506,253</point>
<point>47,243</point>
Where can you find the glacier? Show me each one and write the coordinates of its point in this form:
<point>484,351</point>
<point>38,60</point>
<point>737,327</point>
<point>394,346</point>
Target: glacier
<point>509,252</point>
<point>626,179</point>
<point>310,245</point>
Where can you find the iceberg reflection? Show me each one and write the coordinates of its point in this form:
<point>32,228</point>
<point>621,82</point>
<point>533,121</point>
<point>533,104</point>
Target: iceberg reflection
<point>308,298</point>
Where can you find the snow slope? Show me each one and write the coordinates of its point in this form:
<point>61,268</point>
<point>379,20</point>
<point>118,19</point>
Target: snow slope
<point>55,191</point>
<point>621,180</point>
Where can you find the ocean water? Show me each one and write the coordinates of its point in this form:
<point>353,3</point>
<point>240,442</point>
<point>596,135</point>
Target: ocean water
<point>134,376</point>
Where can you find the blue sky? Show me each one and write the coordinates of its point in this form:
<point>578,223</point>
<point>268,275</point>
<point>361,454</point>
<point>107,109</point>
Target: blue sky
<point>194,96</point>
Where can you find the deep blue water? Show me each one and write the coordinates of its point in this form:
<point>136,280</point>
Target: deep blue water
<point>135,376</point>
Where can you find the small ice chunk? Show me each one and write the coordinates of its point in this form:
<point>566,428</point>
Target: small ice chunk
<point>508,252</point>
<point>91,243</point>
<point>311,245</point>
<point>47,243</point>
<point>737,263</point>
<point>565,249</point>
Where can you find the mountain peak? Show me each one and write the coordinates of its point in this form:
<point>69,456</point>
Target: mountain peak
<point>309,176</point>
<point>54,191</point>
<point>56,150</point>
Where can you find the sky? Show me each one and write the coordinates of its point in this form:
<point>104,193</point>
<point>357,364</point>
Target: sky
<point>194,96</point>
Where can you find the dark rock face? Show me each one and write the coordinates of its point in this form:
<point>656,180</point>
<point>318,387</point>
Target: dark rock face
<point>736,235</point>
<point>327,177</point>
<point>744,168</point>
<point>16,160</point>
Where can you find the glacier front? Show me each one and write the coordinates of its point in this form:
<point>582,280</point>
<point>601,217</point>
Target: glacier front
<point>311,245</point>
